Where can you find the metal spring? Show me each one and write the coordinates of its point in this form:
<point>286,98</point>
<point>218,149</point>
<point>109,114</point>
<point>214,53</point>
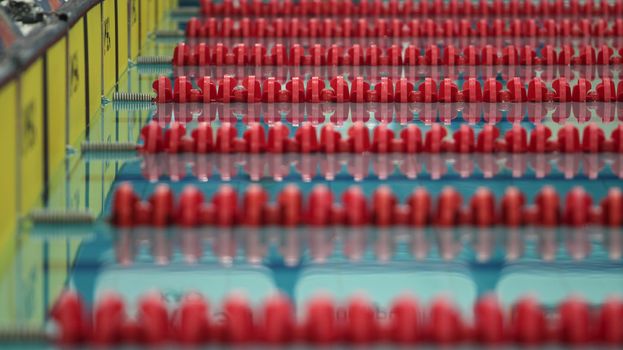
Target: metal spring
<point>61,217</point>
<point>164,34</point>
<point>108,147</point>
<point>23,334</point>
<point>132,97</point>
<point>153,60</point>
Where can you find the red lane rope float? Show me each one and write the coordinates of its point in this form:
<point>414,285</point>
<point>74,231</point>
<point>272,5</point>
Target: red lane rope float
<point>203,54</point>
<point>382,209</point>
<point>410,8</point>
<point>251,89</point>
<point>381,166</point>
<point>275,322</point>
<point>248,27</point>
<point>359,139</point>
